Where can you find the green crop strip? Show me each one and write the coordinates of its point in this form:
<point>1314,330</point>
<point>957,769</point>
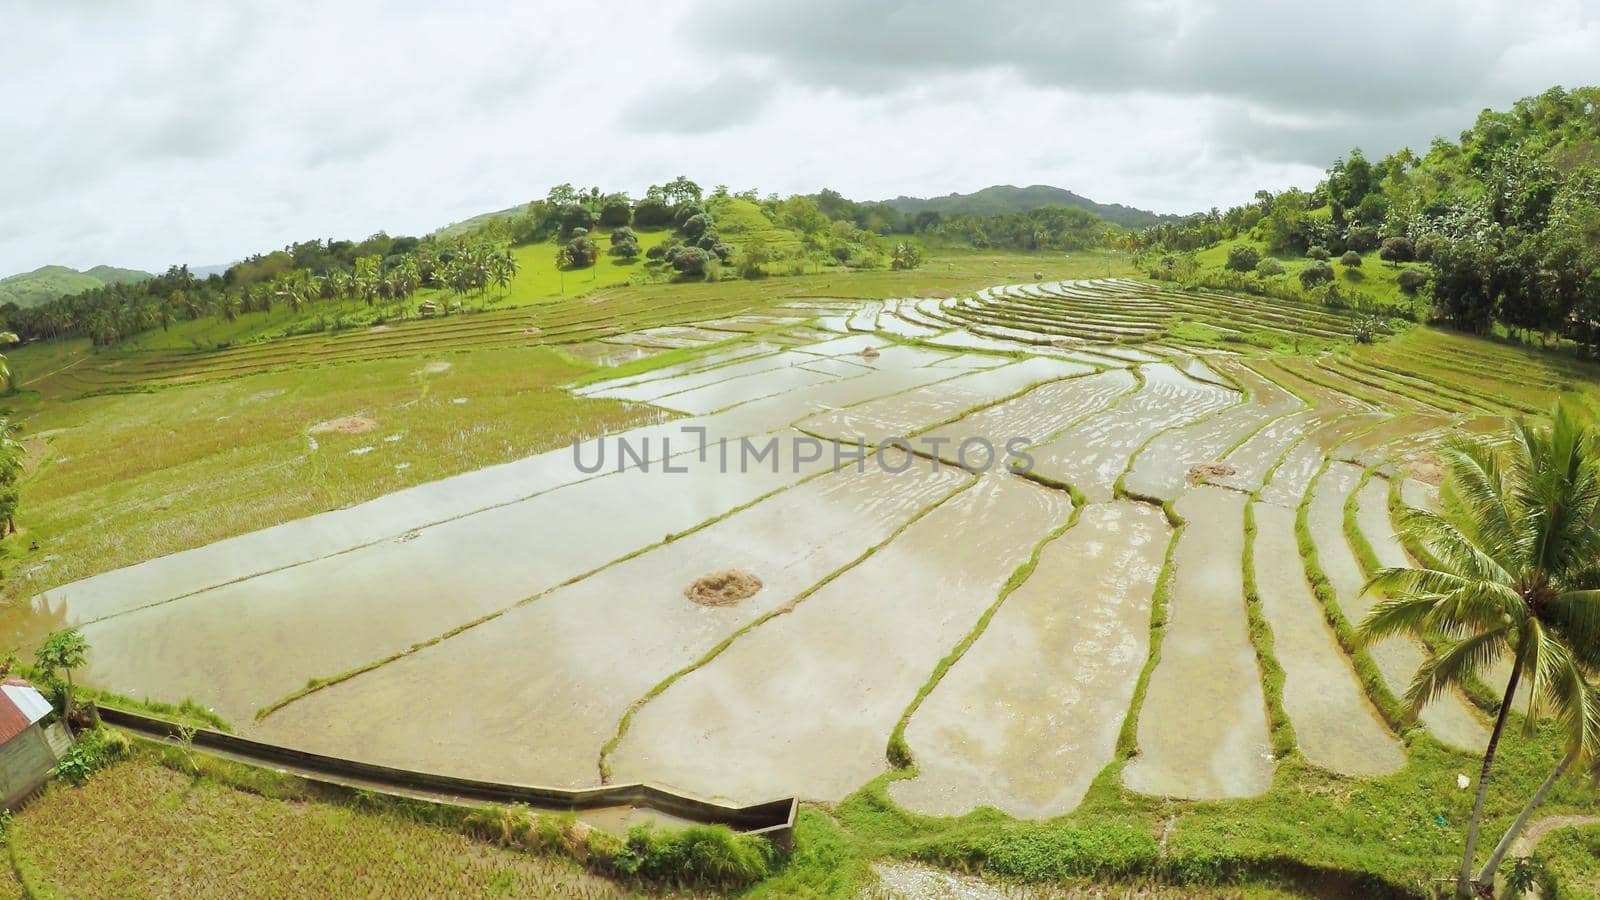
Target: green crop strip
<point>1128,736</point>
<point>1348,374</point>
<point>1272,676</point>
<point>1395,713</point>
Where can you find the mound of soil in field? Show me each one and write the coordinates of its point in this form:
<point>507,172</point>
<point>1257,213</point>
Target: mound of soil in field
<point>345,425</point>
<point>869,353</point>
<point>435,368</point>
<point>724,588</point>
<point>1200,471</point>
<point>378,329</point>
<point>1427,468</point>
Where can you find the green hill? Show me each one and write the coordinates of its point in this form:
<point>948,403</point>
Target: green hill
<point>46,283</point>
<point>1001,199</point>
<point>1498,231</point>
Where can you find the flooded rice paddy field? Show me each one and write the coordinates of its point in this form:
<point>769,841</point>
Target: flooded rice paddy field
<point>530,622</point>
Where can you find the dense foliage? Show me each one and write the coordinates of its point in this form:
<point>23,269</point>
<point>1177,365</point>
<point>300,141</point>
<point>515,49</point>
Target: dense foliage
<point>1505,223</point>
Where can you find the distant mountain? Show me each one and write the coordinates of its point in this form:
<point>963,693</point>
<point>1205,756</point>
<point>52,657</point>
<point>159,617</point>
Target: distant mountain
<point>46,283</point>
<point>208,271</point>
<point>1004,198</point>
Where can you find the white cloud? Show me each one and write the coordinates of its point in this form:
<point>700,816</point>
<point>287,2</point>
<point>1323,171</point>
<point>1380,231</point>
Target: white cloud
<point>149,133</point>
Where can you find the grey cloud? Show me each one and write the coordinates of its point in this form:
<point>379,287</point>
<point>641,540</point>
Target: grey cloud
<point>1341,58</point>
<point>723,102</point>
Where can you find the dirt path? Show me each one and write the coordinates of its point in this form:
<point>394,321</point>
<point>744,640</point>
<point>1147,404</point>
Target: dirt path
<point>1538,828</point>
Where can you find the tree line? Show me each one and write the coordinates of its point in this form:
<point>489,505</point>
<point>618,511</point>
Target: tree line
<point>1506,220</point>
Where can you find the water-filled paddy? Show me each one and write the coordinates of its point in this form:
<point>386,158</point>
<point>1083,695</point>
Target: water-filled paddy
<point>1030,714</point>
<point>515,622</point>
<point>1203,728</point>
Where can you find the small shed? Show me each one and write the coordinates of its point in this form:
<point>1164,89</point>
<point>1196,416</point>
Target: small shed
<point>26,756</point>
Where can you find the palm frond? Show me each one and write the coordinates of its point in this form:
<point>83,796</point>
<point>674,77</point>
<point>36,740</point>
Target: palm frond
<point>1456,550</point>
<point>1405,613</point>
<point>1451,667</point>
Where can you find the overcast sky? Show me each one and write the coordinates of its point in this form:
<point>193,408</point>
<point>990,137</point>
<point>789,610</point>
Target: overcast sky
<point>140,134</point>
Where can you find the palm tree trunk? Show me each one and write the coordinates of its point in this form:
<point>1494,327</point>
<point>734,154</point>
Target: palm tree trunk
<point>66,706</point>
<point>1464,877</point>
<point>1486,876</point>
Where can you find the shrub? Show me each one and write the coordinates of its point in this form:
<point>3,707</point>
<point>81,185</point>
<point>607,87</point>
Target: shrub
<point>684,213</point>
<point>908,256</point>
<point>1397,250</point>
<point>754,258</point>
<point>700,855</point>
<point>1426,245</point>
<point>652,214</point>
<point>1350,259</point>
<point>1361,238</point>
<point>1313,275</point>
<point>576,217</point>
<point>659,251</point>
<point>1243,258</point>
<point>580,252</point>
<point>696,226</point>
<point>1317,253</point>
<point>624,242</point>
<point>689,260</point>
<point>615,212</point>
<point>1269,267</point>
<point>93,751</point>
<point>1412,280</point>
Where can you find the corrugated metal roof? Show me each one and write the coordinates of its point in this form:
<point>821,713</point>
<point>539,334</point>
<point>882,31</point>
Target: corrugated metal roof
<point>20,706</point>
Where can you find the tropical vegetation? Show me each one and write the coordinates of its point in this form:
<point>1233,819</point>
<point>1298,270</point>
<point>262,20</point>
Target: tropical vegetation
<point>1514,576</point>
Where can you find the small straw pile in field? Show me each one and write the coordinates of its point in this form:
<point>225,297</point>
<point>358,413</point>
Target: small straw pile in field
<point>724,588</point>
<point>1200,471</point>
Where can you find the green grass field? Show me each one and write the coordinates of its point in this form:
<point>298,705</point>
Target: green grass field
<point>143,829</point>
<point>1374,279</point>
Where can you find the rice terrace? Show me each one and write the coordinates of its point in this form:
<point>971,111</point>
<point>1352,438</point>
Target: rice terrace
<point>694,542</point>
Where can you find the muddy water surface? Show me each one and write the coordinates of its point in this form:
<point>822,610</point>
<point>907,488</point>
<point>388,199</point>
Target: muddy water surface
<point>536,692</point>
<point>1203,726</point>
<point>1397,658</point>
<point>917,410</point>
<point>805,703</point>
<point>1036,415</point>
<point>1161,469</point>
<point>1030,714</point>
<point>1335,724</point>
<point>238,647</point>
<point>1092,454</point>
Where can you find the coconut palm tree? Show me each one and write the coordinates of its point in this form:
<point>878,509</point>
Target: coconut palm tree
<point>501,270</point>
<point>1513,575</point>
<point>7,338</point>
